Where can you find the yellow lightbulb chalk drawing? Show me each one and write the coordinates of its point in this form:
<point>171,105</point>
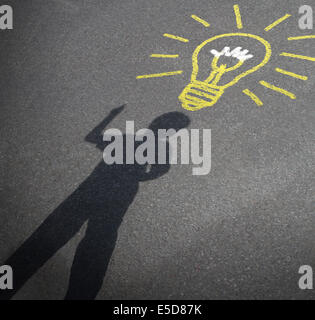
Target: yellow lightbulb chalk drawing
<point>201,94</point>
<point>243,61</point>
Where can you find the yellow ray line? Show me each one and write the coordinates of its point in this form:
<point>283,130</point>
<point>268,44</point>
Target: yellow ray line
<point>203,22</point>
<point>164,56</point>
<point>291,74</point>
<point>302,37</point>
<point>158,75</point>
<point>253,97</point>
<point>171,36</point>
<point>238,17</point>
<point>292,55</point>
<point>277,22</point>
<point>277,89</point>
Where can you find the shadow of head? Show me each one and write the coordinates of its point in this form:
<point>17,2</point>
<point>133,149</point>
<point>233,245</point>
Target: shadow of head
<point>171,120</point>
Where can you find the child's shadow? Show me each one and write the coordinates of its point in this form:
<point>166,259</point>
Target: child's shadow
<point>102,200</point>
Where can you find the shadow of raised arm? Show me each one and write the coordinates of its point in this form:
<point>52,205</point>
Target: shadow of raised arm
<point>95,136</point>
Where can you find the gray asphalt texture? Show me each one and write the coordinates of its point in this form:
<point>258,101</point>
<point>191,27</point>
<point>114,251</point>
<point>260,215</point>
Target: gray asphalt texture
<point>241,232</point>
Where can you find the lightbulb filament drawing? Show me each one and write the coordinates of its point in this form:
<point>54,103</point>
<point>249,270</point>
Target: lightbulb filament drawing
<point>209,58</point>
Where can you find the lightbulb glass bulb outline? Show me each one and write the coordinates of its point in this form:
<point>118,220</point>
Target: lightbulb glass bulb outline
<point>201,94</point>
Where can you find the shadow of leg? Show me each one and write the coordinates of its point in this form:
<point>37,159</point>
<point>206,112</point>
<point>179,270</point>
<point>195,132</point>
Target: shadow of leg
<point>91,259</point>
<point>61,225</point>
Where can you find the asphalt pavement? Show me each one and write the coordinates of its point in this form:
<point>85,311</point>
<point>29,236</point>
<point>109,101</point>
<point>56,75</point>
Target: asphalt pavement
<point>240,232</point>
